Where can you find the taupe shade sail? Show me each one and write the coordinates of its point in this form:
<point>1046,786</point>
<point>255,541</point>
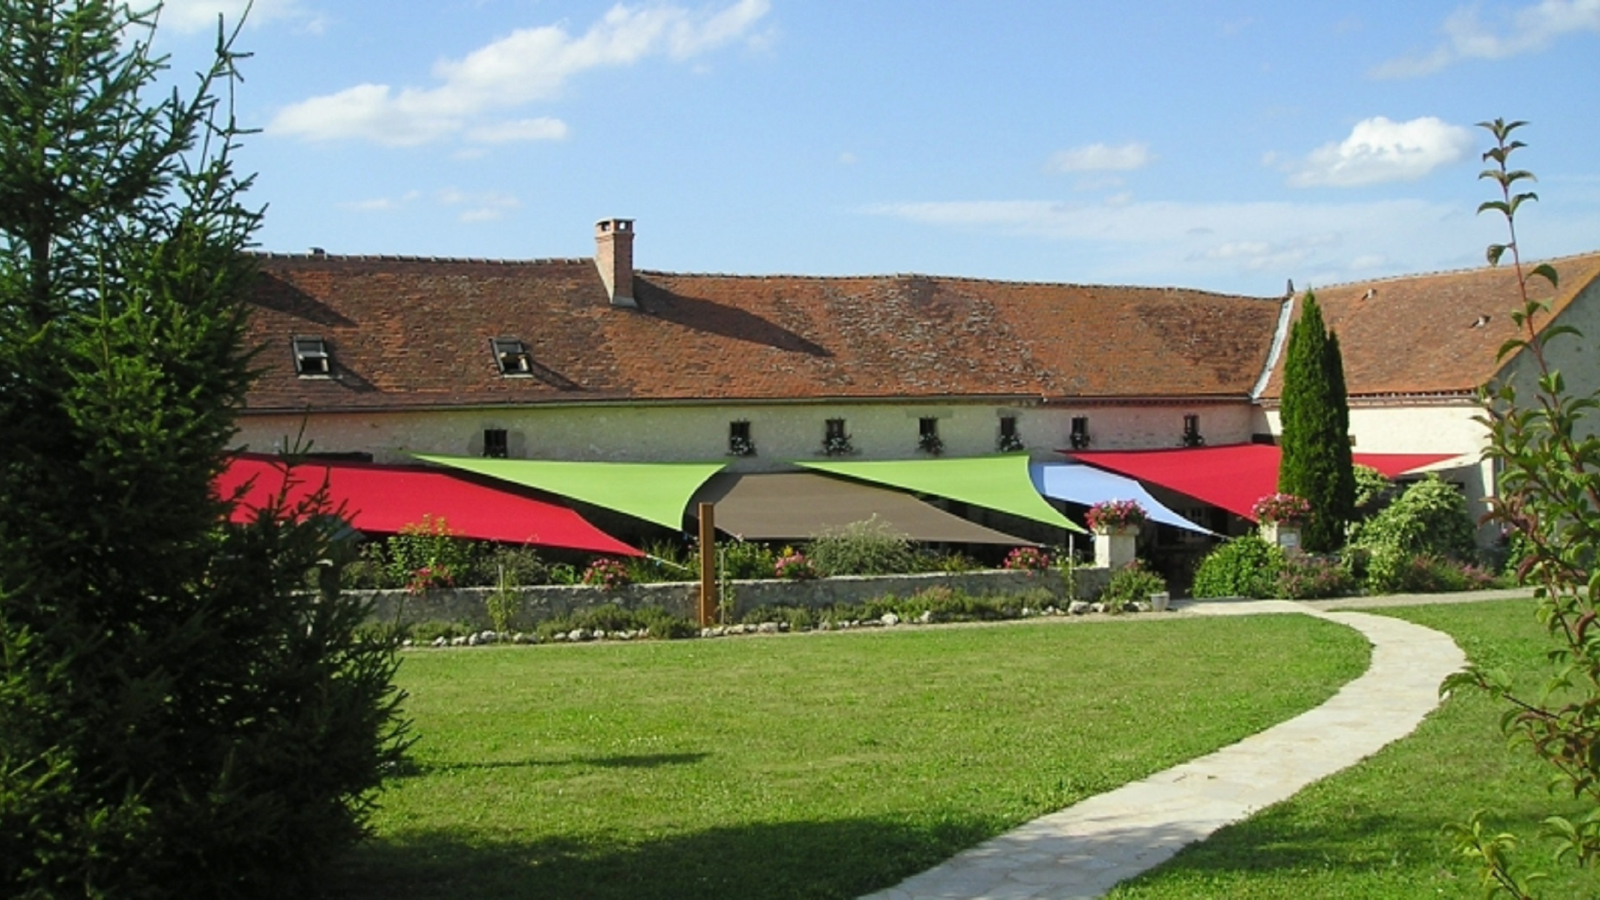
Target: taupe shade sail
<point>798,505</point>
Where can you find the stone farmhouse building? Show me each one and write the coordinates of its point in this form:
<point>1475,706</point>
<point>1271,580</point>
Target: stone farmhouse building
<point>592,359</point>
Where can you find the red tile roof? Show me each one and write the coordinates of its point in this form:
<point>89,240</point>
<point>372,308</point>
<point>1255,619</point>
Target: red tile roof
<point>1431,334</point>
<point>415,333</point>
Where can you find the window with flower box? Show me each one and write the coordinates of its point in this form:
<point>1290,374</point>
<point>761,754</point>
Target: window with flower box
<point>1080,432</point>
<point>835,440</point>
<point>739,441</point>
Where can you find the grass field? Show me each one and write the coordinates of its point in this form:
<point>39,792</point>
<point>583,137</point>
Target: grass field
<point>1373,831</point>
<point>812,766</point>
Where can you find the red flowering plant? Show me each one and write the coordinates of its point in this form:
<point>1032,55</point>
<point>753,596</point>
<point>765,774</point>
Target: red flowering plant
<point>1027,559</point>
<point>429,577</point>
<point>1284,509</point>
<point>1109,514</point>
<point>794,566</point>
<point>606,573</point>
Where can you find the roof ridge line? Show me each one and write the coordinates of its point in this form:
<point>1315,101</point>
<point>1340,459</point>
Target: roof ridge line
<point>399,257</point>
<point>962,279</point>
<point>1386,279</point>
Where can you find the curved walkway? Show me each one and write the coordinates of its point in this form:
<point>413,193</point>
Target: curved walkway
<point>1083,850</point>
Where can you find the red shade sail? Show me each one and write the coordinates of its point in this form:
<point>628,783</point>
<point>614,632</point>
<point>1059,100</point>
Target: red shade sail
<point>385,499</point>
<point>1233,477</point>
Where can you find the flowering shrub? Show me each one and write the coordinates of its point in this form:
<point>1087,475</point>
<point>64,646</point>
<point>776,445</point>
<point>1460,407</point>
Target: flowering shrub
<point>794,566</point>
<point>606,573</point>
<point>430,577</point>
<point>1281,508</point>
<point>1109,514</point>
<point>1314,578</point>
<point>1027,559</point>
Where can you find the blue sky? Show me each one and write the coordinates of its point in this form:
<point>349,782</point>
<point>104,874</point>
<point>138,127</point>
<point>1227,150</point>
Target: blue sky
<point>1227,146</point>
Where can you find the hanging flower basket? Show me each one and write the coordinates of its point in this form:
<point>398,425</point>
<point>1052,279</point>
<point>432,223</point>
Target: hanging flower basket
<point>1115,515</point>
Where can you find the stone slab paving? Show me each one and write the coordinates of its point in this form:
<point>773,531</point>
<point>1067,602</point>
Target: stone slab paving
<point>1082,851</point>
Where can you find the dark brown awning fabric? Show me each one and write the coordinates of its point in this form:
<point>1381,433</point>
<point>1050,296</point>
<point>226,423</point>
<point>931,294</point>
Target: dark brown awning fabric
<point>798,505</point>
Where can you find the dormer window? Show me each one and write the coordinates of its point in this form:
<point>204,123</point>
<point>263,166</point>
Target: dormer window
<point>512,356</point>
<point>311,358</point>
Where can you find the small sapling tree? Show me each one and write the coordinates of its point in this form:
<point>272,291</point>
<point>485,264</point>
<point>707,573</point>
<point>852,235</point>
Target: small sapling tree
<point>1543,438</point>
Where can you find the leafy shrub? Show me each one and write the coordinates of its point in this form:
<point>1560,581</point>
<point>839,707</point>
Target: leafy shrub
<point>1429,518</point>
<point>656,622</point>
<point>798,618</point>
<point>514,564</point>
<point>1133,582</point>
<point>951,562</point>
<point>369,570</point>
<point>1394,571</point>
<point>427,554</point>
<point>1372,490</point>
<point>1246,566</point>
<point>1313,578</point>
<point>746,559</point>
<point>950,605</point>
<point>862,548</point>
<point>426,632</point>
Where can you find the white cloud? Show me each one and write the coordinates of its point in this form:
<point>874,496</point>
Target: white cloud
<point>541,129</point>
<point>528,65</point>
<point>1196,243</point>
<point>1379,150</point>
<point>198,15</point>
<point>1528,30</point>
<point>1102,158</point>
<point>485,207</point>
<point>381,204</point>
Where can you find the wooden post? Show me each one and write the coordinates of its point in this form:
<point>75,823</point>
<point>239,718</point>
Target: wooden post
<point>708,565</point>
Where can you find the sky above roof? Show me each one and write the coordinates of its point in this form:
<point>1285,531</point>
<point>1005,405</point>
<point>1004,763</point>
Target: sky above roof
<point>1227,146</point>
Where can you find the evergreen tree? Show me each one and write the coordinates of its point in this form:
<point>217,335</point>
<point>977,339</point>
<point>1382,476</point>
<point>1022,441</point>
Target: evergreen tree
<point>177,719</point>
<point>1315,415</point>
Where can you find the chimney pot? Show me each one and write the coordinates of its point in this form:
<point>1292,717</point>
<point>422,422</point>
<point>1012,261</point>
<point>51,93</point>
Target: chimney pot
<point>613,256</point>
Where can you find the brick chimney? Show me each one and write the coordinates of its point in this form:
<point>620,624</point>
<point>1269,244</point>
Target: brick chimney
<point>613,256</point>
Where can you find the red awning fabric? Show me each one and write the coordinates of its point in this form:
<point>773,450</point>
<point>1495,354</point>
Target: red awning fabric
<point>385,499</point>
<point>1233,477</point>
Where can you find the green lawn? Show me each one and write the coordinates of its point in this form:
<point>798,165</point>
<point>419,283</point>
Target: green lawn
<point>1373,831</point>
<point>823,765</point>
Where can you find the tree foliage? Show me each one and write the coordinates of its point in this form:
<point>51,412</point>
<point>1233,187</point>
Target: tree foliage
<point>1315,416</point>
<point>1543,439</point>
<point>175,720</point>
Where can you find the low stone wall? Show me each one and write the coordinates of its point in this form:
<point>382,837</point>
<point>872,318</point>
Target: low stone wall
<point>467,605</point>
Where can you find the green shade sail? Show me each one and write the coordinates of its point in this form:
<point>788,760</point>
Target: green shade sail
<point>994,482</point>
<point>655,492</point>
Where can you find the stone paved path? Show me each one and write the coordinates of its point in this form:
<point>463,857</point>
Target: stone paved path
<point>1082,851</point>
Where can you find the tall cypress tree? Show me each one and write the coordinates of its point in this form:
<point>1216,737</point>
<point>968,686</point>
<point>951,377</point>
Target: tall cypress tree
<point>177,717</point>
<point>1315,414</point>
